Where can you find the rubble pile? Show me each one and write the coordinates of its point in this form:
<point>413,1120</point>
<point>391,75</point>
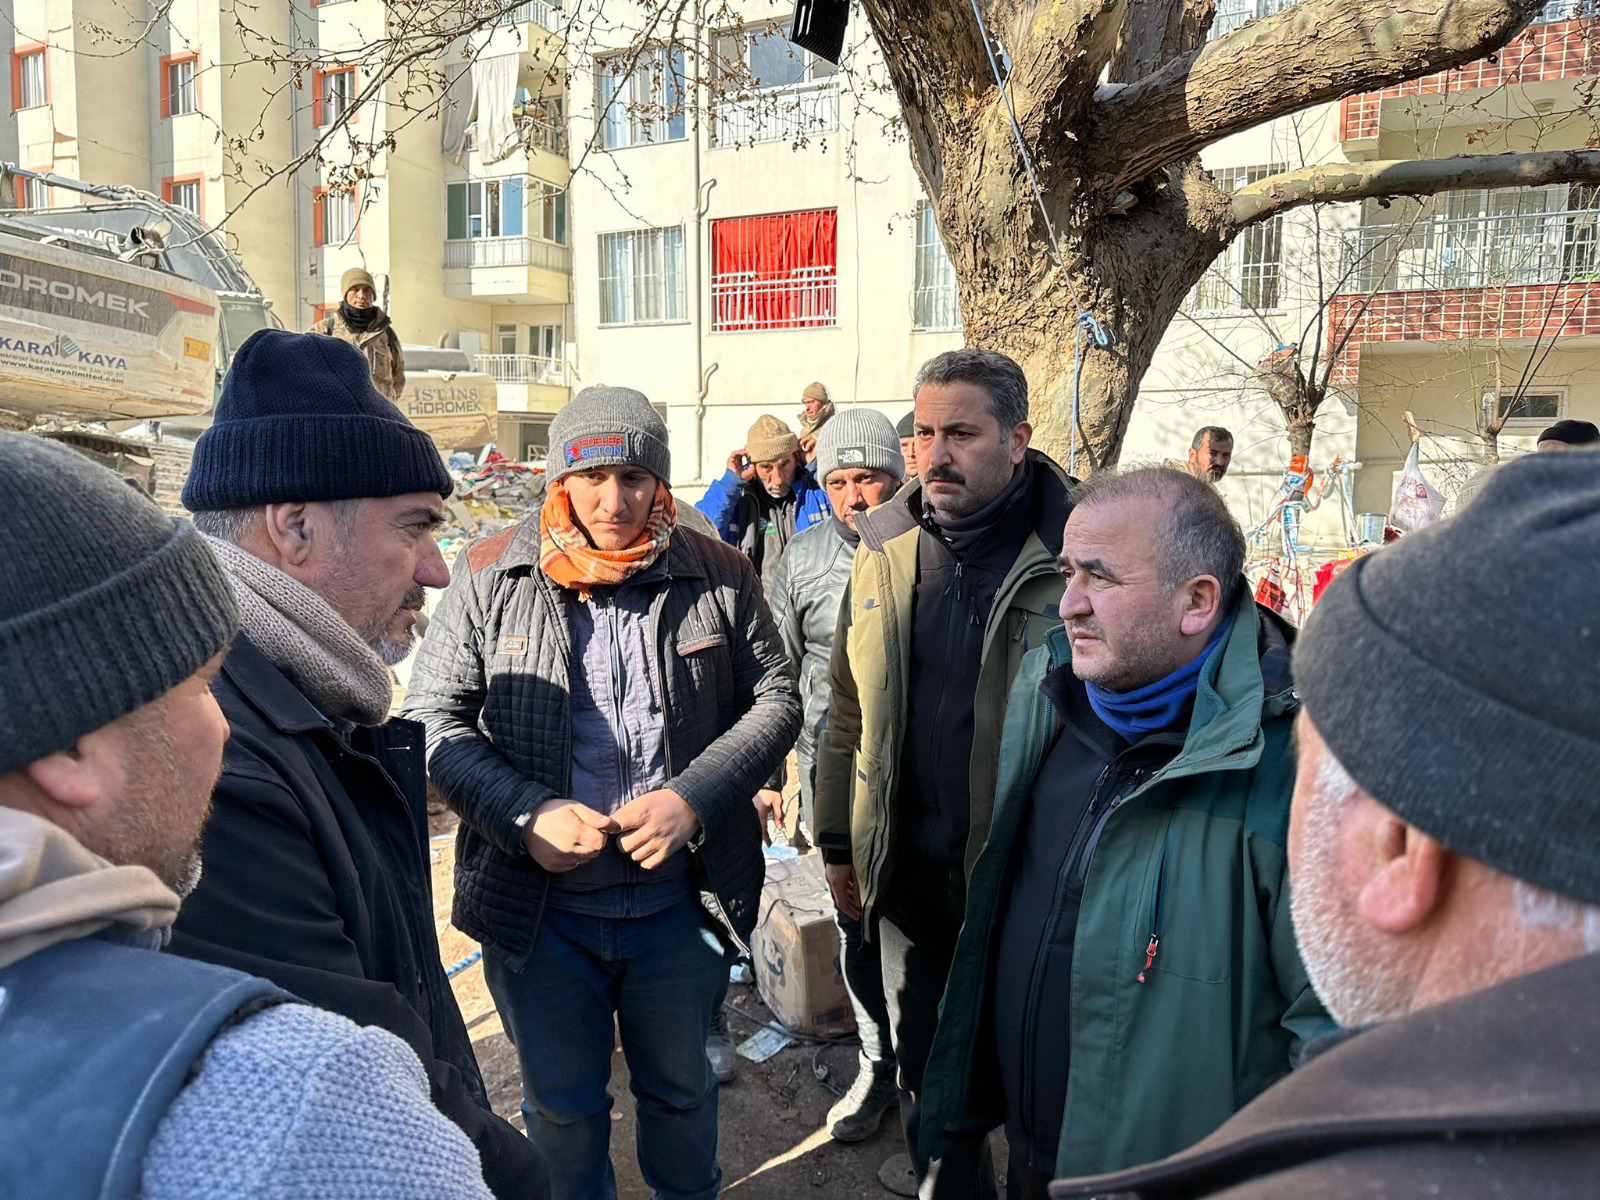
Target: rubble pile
<point>489,497</point>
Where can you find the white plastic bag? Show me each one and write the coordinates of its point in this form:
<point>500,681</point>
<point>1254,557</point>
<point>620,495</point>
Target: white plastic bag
<point>1416,503</point>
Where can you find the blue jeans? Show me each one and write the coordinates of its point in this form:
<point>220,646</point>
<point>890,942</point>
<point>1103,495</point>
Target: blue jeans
<point>657,976</point>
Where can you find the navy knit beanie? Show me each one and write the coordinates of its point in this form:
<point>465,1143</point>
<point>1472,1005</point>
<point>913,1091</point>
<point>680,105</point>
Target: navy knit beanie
<point>300,420</point>
<point>1456,674</point>
<point>106,603</point>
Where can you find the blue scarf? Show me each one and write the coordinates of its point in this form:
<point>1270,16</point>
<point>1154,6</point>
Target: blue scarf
<point>1156,706</point>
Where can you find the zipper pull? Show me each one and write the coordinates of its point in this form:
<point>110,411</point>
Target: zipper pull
<point>1150,955</point>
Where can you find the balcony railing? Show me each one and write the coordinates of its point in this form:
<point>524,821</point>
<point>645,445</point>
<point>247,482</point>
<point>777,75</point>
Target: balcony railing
<point>521,368</point>
<point>508,252</point>
<point>1477,252</point>
<point>1233,13</point>
<point>778,114</point>
<point>544,135</point>
<point>536,11</point>
<point>743,302</point>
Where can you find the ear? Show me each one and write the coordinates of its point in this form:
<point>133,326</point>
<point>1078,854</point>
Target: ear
<point>288,528</point>
<point>1020,437</point>
<point>1405,890</point>
<point>1201,597</point>
<point>79,778</point>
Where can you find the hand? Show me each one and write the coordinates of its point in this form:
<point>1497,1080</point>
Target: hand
<point>564,834</point>
<point>769,811</point>
<point>846,891</point>
<point>655,826</point>
<point>808,446</point>
<point>739,463</point>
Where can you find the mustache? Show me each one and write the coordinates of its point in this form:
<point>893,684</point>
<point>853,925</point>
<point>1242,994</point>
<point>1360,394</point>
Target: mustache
<point>1092,628</point>
<point>943,475</point>
<point>414,597</point>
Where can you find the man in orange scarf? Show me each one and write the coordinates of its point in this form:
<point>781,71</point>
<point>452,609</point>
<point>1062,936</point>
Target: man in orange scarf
<point>603,692</point>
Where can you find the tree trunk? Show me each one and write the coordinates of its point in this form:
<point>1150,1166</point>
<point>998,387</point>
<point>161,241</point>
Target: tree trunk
<point>1491,447</point>
<point>1301,428</point>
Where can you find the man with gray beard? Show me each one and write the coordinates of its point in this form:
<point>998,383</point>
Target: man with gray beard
<point>320,499</point>
<point>1444,847</point>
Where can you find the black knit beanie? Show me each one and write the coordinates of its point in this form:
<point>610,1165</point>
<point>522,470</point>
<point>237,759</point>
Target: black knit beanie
<point>1456,674</point>
<point>300,420</point>
<point>106,603</point>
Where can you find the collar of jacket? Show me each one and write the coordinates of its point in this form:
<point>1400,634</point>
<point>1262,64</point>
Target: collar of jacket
<point>682,556</point>
<point>1514,1058</point>
<point>270,691</point>
<point>1244,683</point>
<point>882,525</point>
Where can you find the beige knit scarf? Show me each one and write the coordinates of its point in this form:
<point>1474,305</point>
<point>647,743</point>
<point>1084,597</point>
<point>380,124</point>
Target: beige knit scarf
<point>303,637</point>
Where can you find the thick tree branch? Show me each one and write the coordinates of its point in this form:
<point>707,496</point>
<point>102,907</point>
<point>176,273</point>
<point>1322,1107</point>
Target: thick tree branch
<point>1310,53</point>
<point>1058,51</point>
<point>1255,202</point>
<point>1155,32</point>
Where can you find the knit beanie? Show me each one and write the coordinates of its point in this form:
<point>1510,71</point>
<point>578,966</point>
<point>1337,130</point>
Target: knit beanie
<point>1456,675</point>
<point>859,437</point>
<point>351,278</point>
<point>770,439</point>
<point>907,426</point>
<point>609,427</point>
<point>814,391</point>
<point>1573,433</point>
<point>106,603</point>
<point>300,420</point>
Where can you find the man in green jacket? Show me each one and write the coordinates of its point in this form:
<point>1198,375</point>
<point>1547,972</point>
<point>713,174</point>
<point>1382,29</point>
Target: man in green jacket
<point>954,580</point>
<point>1127,975</point>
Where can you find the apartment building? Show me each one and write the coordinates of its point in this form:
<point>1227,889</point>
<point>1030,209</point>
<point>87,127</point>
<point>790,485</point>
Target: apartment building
<point>1469,310</point>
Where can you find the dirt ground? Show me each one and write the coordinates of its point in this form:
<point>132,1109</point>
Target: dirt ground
<point>772,1142</point>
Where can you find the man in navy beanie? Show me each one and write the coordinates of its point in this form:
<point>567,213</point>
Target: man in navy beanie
<point>320,499</point>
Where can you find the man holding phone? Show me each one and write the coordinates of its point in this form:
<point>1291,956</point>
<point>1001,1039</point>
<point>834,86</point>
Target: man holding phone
<point>766,497</point>
<point>603,691</point>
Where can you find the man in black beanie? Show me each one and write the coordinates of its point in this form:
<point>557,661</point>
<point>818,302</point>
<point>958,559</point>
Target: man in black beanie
<point>320,499</point>
<point>1445,855</point>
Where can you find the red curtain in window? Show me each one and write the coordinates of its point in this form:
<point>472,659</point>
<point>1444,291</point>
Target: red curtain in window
<point>774,272</point>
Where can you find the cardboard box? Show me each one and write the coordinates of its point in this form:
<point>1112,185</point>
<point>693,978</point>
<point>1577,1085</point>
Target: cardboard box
<point>796,950</point>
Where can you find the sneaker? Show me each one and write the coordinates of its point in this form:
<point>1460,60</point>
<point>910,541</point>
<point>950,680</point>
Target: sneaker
<point>720,1053</point>
<point>859,1111</point>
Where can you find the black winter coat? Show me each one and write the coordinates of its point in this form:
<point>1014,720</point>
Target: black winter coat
<point>316,877</point>
<point>491,687</point>
<point>1486,1097</point>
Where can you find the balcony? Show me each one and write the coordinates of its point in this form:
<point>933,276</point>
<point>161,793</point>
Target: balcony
<point>535,12</point>
<point>524,269</point>
<point>785,114</point>
<point>1516,276</point>
<point>525,383</point>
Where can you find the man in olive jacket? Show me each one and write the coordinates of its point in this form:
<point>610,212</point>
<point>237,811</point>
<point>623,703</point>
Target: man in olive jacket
<point>954,580</point>
<point>1127,975</point>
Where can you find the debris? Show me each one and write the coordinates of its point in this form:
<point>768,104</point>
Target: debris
<point>766,1042</point>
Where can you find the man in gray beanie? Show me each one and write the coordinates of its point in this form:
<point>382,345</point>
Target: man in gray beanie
<point>320,499</point>
<point>126,1070</point>
<point>603,692</point>
<point>860,467</point>
<point>1445,855</point>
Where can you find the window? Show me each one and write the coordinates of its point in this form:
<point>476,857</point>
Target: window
<point>30,78</point>
<point>505,339</point>
<point>1529,408</point>
<point>936,300</point>
<point>321,312</point>
<point>549,218</point>
<point>333,216</point>
<point>768,89</point>
<point>487,208</point>
<point>641,277</point>
<point>777,272</point>
<point>644,105</point>
<point>180,85</point>
<point>183,192</point>
<point>546,341</point>
<point>34,193</point>
<point>333,95</point>
<point>1246,275</point>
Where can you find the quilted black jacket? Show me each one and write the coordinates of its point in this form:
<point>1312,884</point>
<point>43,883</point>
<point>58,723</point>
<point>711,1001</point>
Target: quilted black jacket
<point>490,686</point>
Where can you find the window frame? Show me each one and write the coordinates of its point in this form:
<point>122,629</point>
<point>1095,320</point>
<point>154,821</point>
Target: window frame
<point>320,77</point>
<point>319,220</point>
<point>172,183</point>
<point>670,62</point>
<point>19,54</point>
<point>924,250</point>
<point>605,278</point>
<point>46,190</point>
<point>532,191</point>
<point>1534,423</point>
<point>1232,261</point>
<point>776,28</point>
<point>168,61</point>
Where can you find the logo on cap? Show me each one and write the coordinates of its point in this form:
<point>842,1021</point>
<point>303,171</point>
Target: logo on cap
<point>599,445</point>
<point>851,455</point>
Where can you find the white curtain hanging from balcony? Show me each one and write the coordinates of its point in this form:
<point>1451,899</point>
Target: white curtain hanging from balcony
<point>455,111</point>
<point>494,86</point>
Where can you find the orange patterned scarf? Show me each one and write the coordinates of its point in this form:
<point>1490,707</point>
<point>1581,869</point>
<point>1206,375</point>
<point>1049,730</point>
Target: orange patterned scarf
<point>570,560</point>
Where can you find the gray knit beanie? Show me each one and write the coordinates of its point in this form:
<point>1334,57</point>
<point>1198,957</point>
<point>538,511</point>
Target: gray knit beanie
<point>608,427</point>
<point>106,603</point>
<point>1456,674</point>
<point>859,437</point>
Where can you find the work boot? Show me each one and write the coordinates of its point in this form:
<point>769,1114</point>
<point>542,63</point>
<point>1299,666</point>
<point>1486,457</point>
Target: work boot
<point>859,1111</point>
<point>719,1049</point>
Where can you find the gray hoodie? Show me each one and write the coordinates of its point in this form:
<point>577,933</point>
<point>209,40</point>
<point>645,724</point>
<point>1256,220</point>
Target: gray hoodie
<point>292,1101</point>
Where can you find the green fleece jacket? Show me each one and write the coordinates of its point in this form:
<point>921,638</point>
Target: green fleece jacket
<point>1195,857</point>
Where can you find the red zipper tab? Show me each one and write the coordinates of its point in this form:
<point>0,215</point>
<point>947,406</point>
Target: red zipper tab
<point>1150,955</point>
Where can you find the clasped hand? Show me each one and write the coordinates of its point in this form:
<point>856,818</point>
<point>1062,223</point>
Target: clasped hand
<point>564,834</point>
